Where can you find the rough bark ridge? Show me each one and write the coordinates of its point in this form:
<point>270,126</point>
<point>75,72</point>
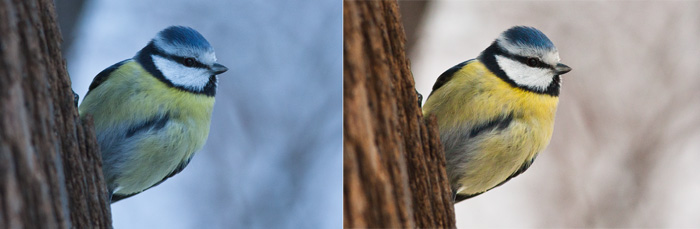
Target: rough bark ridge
<point>394,167</point>
<point>50,166</point>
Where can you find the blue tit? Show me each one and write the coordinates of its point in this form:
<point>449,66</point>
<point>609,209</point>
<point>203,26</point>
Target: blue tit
<point>495,113</point>
<point>152,112</point>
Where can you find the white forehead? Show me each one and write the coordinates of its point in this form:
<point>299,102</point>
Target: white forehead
<point>204,55</point>
<point>547,55</point>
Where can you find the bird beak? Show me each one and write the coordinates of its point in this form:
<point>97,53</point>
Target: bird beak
<point>218,68</point>
<point>561,69</point>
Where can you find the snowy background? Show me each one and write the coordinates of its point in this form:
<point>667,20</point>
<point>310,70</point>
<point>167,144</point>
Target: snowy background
<point>626,146</point>
<point>274,154</point>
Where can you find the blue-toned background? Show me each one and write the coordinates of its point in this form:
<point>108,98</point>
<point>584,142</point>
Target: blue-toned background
<point>274,154</point>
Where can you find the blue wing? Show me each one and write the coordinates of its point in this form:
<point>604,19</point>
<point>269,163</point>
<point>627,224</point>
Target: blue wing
<point>103,75</point>
<point>447,75</point>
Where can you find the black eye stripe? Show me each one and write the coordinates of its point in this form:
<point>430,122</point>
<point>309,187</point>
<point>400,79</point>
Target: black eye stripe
<point>524,59</point>
<point>183,60</point>
<point>180,59</point>
<point>533,62</point>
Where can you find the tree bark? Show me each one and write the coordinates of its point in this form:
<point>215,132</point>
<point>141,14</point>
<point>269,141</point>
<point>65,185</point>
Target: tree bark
<point>394,166</point>
<point>50,165</point>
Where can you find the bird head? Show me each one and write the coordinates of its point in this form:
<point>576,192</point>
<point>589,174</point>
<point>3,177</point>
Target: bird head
<point>526,58</point>
<point>182,57</point>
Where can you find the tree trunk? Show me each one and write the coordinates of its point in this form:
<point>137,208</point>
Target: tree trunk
<point>394,166</point>
<point>50,165</point>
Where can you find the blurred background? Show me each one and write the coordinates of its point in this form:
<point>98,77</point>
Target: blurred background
<point>626,145</point>
<point>274,154</point>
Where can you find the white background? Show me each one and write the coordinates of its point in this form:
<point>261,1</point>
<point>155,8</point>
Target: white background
<point>626,146</point>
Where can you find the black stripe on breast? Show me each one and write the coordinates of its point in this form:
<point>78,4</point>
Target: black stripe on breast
<point>156,123</point>
<point>499,123</point>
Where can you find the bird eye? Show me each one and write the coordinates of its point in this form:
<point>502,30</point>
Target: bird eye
<point>189,62</point>
<point>533,62</point>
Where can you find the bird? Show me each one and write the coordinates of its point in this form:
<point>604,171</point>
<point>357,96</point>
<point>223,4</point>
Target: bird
<point>495,113</point>
<point>152,112</point>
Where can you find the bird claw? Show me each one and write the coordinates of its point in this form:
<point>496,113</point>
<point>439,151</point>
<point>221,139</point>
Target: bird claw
<point>420,98</point>
<point>76,97</point>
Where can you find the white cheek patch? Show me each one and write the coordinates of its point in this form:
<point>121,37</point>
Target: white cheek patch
<point>524,75</point>
<point>195,78</point>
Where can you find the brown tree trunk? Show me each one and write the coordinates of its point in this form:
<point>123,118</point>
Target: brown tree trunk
<point>394,167</point>
<point>50,166</point>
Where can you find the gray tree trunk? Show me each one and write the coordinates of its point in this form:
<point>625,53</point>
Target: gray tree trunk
<point>50,166</point>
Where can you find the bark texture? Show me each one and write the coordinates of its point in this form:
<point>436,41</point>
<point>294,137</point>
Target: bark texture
<point>394,166</point>
<point>50,165</point>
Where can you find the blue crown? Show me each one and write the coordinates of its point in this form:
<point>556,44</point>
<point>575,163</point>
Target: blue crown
<point>184,36</point>
<point>522,35</point>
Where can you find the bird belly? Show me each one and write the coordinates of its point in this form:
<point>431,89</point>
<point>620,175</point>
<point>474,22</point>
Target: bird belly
<point>480,163</point>
<point>157,153</point>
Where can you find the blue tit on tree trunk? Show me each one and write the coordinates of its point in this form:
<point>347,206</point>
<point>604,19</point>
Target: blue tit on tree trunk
<point>495,113</point>
<point>152,112</point>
